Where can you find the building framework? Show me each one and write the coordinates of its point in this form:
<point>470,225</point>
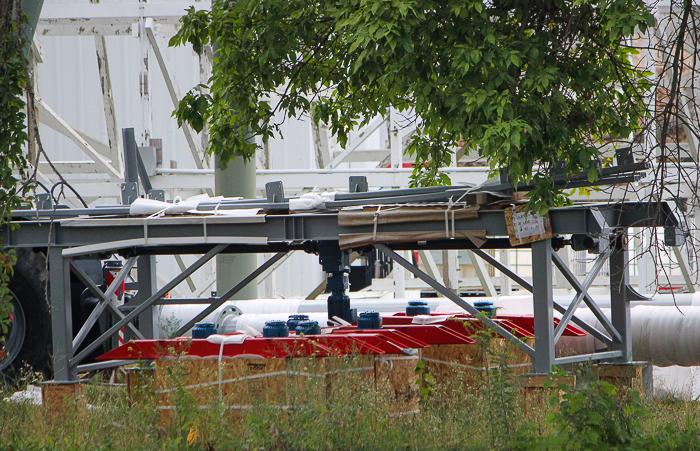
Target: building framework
<point>108,230</point>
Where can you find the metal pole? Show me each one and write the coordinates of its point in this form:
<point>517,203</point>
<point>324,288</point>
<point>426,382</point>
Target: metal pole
<point>620,314</point>
<point>543,308</point>
<point>61,316</point>
<point>238,179</point>
<point>147,279</point>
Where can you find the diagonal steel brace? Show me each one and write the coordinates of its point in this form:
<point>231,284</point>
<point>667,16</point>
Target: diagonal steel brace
<point>105,302</point>
<point>147,303</point>
<point>523,283</point>
<point>454,298</point>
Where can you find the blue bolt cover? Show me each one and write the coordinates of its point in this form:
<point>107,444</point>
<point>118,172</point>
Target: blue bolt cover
<point>203,330</point>
<point>308,328</point>
<point>417,308</point>
<point>274,329</point>
<point>369,320</point>
<point>294,321</point>
<point>486,307</point>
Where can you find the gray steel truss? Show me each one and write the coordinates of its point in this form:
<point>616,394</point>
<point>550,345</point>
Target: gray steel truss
<point>140,239</point>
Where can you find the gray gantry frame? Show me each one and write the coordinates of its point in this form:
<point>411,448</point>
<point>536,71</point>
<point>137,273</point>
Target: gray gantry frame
<point>140,239</point>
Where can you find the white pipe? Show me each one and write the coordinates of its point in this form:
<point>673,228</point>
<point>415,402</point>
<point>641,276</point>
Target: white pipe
<point>661,332</point>
<point>475,169</point>
<point>662,335</point>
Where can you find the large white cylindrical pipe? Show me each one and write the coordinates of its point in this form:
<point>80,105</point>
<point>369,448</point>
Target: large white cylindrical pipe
<point>662,335</point>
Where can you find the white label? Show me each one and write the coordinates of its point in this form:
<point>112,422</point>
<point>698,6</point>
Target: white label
<point>527,226</point>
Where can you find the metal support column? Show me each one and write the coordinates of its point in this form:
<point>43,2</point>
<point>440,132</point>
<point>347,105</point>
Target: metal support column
<point>620,314</point>
<point>543,306</point>
<point>336,263</point>
<point>147,279</point>
<point>61,316</point>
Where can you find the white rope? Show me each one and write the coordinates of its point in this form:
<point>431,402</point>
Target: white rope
<point>375,220</point>
<point>477,368</point>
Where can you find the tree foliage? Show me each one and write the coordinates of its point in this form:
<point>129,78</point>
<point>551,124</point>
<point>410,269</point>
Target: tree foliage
<point>13,135</point>
<point>527,83</point>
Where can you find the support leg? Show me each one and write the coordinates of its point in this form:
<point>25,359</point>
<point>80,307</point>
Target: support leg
<point>61,316</point>
<point>543,301</point>
<point>336,263</point>
<point>619,300</point>
<point>146,273</point>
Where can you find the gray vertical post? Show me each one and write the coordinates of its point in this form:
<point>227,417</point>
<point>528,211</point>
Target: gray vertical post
<point>619,300</point>
<point>146,273</point>
<point>61,316</point>
<point>543,306</point>
<point>131,173</point>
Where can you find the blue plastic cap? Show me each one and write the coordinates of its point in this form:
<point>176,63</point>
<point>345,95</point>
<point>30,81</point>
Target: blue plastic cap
<point>369,314</point>
<point>417,303</point>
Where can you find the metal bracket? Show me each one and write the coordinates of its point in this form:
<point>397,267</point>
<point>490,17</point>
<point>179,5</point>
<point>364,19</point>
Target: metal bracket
<point>157,194</point>
<point>673,236</point>
<point>44,202</point>
<point>358,184</point>
<point>275,192</point>
<point>130,192</point>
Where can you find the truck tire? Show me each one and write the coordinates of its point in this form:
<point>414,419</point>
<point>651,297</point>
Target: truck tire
<point>29,338</point>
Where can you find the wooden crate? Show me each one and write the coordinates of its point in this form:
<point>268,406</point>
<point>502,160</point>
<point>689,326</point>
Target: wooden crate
<point>286,383</point>
<point>63,398</point>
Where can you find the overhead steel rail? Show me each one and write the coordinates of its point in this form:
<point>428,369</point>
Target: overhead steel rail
<point>139,238</point>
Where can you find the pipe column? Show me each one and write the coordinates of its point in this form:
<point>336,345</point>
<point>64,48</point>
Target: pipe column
<point>238,179</point>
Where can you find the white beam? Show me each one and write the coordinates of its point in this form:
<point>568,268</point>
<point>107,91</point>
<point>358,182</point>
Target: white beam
<point>47,114</point>
<point>174,91</point>
<point>398,274</point>
<point>108,103</point>
<point>558,275</point>
<point>482,274</point>
<point>395,139</point>
<point>506,282</point>
<point>109,19</point>
<point>684,265</point>
<point>429,265</point>
<point>364,134</point>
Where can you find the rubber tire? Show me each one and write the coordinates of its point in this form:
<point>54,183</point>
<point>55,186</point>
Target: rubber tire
<point>29,283</point>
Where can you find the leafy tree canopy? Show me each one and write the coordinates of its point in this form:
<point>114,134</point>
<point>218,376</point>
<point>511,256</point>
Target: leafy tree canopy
<point>527,83</point>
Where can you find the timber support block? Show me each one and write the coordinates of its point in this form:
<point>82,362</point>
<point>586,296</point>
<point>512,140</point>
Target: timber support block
<point>61,398</point>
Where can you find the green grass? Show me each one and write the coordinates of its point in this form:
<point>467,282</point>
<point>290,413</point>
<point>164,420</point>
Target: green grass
<point>463,413</point>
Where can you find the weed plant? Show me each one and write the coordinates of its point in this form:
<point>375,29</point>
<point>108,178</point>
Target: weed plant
<point>331,404</point>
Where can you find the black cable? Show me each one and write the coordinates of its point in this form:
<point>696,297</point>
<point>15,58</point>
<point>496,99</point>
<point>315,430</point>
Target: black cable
<point>43,186</point>
<point>63,182</point>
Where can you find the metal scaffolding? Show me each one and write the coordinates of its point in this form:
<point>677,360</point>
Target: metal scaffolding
<point>138,239</point>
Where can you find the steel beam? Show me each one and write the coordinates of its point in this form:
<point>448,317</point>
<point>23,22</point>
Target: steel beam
<point>364,134</point>
<point>148,284</point>
<point>482,274</point>
<point>609,327</point>
<point>588,281</point>
<point>620,314</point>
<point>684,266</point>
<point>588,357</point>
<point>105,301</point>
<point>141,308</point>
<point>109,19</point>
<point>175,94</point>
<point>226,296</point>
<point>543,309</point>
<point>456,299</point>
<point>46,114</point>
<point>61,316</point>
<point>108,103</point>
